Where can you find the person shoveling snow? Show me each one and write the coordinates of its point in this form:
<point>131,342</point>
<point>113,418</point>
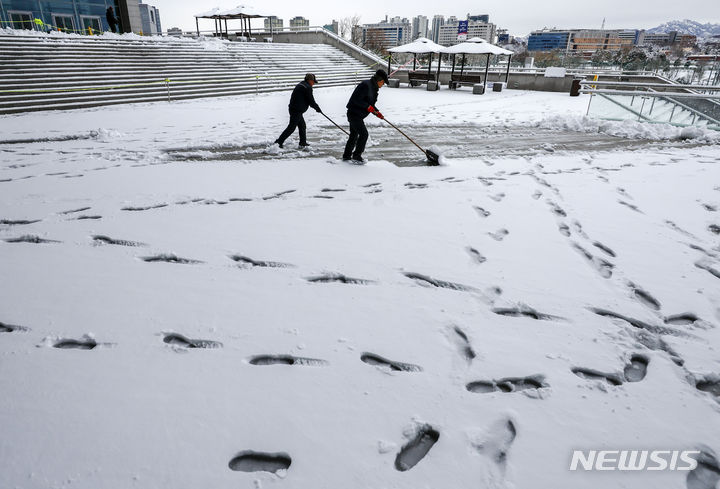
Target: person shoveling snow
<point>361,103</point>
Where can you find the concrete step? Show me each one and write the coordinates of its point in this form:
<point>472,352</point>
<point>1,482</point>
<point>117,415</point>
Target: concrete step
<point>76,73</point>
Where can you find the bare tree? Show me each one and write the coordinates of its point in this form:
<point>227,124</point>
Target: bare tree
<point>375,41</point>
<point>346,26</point>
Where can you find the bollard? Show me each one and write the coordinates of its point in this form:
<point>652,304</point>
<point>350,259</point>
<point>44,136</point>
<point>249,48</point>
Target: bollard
<point>432,86</point>
<point>478,89</point>
<point>497,87</point>
<point>394,83</point>
<point>575,87</point>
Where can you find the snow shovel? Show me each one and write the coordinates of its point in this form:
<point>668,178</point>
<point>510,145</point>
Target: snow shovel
<point>343,130</point>
<point>432,157</point>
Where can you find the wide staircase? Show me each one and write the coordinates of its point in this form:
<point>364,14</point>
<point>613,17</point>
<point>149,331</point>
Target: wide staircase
<point>49,73</point>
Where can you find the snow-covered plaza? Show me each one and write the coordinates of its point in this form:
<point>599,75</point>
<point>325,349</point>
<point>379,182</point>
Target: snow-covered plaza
<point>184,305</point>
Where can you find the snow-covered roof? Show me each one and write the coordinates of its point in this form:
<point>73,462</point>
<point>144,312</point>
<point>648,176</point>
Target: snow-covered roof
<point>209,13</point>
<point>476,45</point>
<point>237,12</point>
<point>421,45</point>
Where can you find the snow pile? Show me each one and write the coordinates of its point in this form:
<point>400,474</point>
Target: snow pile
<point>5,31</point>
<point>627,129</point>
<point>105,135</point>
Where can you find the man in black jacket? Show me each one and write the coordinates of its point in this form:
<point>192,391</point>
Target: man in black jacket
<point>111,19</point>
<point>362,102</point>
<point>300,100</point>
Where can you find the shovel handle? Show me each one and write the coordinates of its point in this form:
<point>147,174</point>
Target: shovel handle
<point>411,140</point>
<point>343,130</point>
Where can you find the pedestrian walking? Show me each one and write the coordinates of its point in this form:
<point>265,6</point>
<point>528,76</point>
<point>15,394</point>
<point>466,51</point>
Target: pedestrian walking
<point>300,100</point>
<point>111,19</point>
<point>362,102</point>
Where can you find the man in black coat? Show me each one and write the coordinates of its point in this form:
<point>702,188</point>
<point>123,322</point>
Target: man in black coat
<point>300,100</point>
<point>362,102</point>
<point>111,19</point>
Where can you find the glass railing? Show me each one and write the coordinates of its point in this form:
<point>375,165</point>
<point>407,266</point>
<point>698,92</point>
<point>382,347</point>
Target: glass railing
<point>647,104</point>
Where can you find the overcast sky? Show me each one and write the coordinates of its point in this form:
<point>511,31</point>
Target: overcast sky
<point>518,16</point>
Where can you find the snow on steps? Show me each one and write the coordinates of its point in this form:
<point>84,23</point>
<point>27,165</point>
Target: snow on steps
<point>136,70</point>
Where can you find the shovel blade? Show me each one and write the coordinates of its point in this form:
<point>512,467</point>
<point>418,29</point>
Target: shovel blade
<point>433,158</point>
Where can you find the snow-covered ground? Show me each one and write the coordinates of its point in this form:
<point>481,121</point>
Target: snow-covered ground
<point>492,314</point>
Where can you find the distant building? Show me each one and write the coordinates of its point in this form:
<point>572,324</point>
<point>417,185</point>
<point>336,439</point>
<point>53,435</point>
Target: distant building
<point>634,35</point>
<point>548,40</point>
<point>589,41</point>
<point>384,34</point>
<point>273,23</point>
<point>503,37</point>
<point>150,17</point>
<point>448,34</point>
<point>174,32</point>
<point>437,22</point>
<point>581,41</point>
<point>333,27</point>
<point>479,18</point>
<point>81,16</point>
<point>299,24</point>
<point>419,27</point>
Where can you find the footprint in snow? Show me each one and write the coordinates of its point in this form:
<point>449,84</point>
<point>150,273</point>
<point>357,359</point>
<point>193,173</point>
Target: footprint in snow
<point>169,258</point>
<point>494,445</point>
<point>644,297</point>
<point>11,328</point>
<point>709,384</point>
<point>529,384</point>
<point>30,238</point>
<point>251,461</point>
<point>264,360</point>
<point>707,473</point>
<point>384,363</point>
<point>417,448</point>
<point>178,340</point>
<point>634,371</point>
<point>499,235</point>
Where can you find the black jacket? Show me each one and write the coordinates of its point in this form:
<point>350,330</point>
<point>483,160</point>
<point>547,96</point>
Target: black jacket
<point>302,98</point>
<point>365,95</point>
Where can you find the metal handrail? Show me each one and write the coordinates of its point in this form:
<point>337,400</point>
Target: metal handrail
<point>710,88</point>
<point>636,93</point>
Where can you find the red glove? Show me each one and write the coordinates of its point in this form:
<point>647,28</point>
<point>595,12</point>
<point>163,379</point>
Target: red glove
<point>375,112</point>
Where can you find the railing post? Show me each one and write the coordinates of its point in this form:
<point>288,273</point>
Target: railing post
<point>672,112</point>
<point>589,102</point>
<point>642,106</point>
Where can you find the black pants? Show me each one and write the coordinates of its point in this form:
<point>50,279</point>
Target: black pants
<point>296,121</point>
<point>358,137</point>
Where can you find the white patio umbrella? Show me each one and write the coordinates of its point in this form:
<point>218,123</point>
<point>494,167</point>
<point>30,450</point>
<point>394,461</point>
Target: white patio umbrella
<point>477,45</point>
<point>421,45</point>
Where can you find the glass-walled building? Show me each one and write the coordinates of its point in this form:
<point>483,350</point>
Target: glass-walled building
<point>81,16</point>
